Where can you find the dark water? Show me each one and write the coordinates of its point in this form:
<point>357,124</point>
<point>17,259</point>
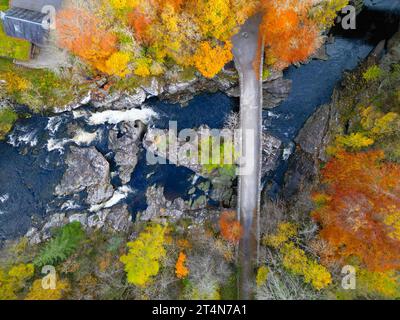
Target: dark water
<point>313,83</point>
<point>29,172</point>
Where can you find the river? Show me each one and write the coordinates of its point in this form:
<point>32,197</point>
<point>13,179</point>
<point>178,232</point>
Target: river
<point>32,157</point>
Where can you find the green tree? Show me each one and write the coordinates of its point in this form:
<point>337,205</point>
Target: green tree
<point>64,244</point>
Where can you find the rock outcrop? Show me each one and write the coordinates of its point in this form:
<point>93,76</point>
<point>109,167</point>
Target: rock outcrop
<point>156,142</point>
<point>311,144</point>
<point>161,209</point>
<point>114,219</point>
<point>272,149</point>
<point>275,92</point>
<point>124,141</point>
<point>87,170</point>
<point>121,101</point>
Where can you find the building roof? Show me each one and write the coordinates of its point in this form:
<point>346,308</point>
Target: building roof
<point>36,5</point>
<point>25,24</point>
<point>25,15</point>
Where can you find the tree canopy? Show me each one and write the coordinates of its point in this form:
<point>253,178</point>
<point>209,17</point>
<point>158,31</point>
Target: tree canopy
<point>143,38</point>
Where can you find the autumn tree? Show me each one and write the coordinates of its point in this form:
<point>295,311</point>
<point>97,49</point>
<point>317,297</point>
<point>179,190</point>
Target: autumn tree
<point>143,259</point>
<point>181,270</point>
<point>12,281</point>
<point>84,34</point>
<point>292,28</point>
<point>231,229</point>
<point>37,292</point>
<point>144,36</point>
<point>360,212</point>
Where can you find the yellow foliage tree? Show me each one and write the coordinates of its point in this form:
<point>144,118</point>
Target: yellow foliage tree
<point>117,64</point>
<point>38,293</point>
<point>295,260</point>
<point>142,261</point>
<point>262,275</point>
<point>210,60</point>
<point>286,230</point>
<point>13,280</point>
<point>355,141</point>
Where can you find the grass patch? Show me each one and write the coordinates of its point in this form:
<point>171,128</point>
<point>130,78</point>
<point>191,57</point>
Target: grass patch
<point>7,120</point>
<point>11,47</point>
<point>39,89</point>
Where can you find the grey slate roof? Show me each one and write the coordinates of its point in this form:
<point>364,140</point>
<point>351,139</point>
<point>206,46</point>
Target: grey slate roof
<point>25,15</point>
<point>25,24</point>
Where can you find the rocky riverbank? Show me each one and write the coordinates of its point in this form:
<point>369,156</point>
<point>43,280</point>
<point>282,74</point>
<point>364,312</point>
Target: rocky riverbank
<point>329,121</point>
<point>89,172</point>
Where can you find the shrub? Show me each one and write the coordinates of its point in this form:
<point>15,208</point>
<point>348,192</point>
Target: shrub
<point>231,229</point>
<point>181,270</point>
<point>262,275</point>
<point>286,230</point>
<point>373,73</point>
<point>65,243</point>
<point>13,280</point>
<point>38,293</point>
<point>7,120</point>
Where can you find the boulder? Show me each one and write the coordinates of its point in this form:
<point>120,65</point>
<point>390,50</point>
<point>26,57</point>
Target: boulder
<point>160,208</point>
<point>124,141</point>
<point>116,218</point>
<point>174,88</point>
<point>271,153</point>
<point>87,170</point>
<point>121,100</point>
<point>311,142</point>
<point>154,88</point>
<point>131,100</point>
<point>80,217</point>
<point>275,92</point>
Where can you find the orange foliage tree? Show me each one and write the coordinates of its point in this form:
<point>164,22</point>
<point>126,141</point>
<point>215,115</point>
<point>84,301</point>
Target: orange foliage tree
<point>83,34</point>
<point>290,34</point>
<point>181,270</point>
<point>231,229</point>
<point>195,33</point>
<point>360,212</point>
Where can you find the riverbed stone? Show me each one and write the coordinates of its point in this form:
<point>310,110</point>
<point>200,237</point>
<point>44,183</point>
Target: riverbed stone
<point>33,236</point>
<point>275,92</point>
<point>55,221</point>
<point>87,170</point>
<point>159,208</point>
<point>130,100</point>
<point>154,88</point>
<point>116,219</point>
<point>174,88</point>
<point>272,149</point>
<point>79,217</point>
<point>124,141</point>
